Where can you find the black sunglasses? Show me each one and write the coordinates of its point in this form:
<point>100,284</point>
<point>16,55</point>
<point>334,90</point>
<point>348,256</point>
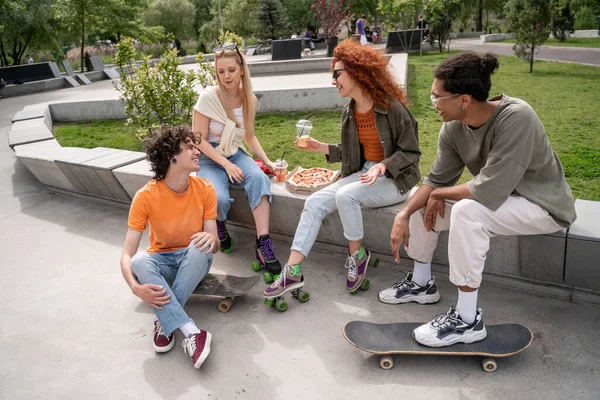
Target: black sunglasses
<point>218,51</point>
<point>336,73</point>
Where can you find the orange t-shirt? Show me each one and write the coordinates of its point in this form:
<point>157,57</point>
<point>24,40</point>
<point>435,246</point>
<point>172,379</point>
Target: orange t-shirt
<point>173,217</point>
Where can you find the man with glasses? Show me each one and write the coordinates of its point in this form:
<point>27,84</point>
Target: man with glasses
<point>518,188</point>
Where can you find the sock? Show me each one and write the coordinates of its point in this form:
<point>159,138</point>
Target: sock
<point>189,328</point>
<point>295,270</point>
<point>421,273</point>
<point>467,305</point>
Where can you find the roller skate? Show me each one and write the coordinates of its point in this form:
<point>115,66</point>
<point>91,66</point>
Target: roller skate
<point>224,238</point>
<point>357,264</point>
<point>290,280</point>
<point>265,259</point>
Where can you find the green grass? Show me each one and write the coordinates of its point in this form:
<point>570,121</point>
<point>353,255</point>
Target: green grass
<point>571,42</point>
<point>565,96</point>
<point>90,134</point>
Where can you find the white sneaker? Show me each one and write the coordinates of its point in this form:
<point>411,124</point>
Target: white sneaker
<point>448,329</point>
<point>406,290</point>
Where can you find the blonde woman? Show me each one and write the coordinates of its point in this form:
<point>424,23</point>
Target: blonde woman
<point>224,118</point>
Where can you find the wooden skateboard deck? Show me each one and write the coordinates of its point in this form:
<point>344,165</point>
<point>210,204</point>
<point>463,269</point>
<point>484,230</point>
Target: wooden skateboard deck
<point>502,340</point>
<point>227,286</point>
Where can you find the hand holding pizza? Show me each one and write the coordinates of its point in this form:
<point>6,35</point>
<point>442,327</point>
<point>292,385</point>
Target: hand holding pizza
<point>371,176</point>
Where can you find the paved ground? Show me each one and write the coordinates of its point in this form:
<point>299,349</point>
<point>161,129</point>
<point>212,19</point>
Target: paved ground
<point>72,330</point>
<point>553,53</point>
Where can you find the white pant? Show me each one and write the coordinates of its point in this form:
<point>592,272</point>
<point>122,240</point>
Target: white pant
<point>471,226</point>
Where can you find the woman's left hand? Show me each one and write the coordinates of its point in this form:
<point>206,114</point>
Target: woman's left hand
<point>371,176</point>
<point>270,165</point>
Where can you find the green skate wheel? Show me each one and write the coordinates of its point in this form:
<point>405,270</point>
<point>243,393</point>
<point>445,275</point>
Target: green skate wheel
<point>268,277</point>
<point>270,302</point>
<point>281,305</point>
<point>255,266</point>
<point>375,263</point>
<point>354,292</point>
<point>303,297</point>
<point>365,284</point>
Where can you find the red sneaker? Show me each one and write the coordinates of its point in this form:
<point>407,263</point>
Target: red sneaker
<point>197,347</point>
<point>162,343</point>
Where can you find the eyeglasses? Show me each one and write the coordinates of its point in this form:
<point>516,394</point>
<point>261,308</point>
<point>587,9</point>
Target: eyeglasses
<point>336,74</point>
<point>218,51</point>
<point>434,99</point>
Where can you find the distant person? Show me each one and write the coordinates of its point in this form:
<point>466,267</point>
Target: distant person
<point>421,23</point>
<point>181,211</point>
<point>308,41</point>
<point>360,29</point>
<point>29,59</point>
<point>426,32</point>
<point>2,84</point>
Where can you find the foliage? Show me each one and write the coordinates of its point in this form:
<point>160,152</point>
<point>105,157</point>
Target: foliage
<point>175,16</point>
<point>529,20</point>
<point>401,13</point>
<point>26,25</point>
<point>241,16</point>
<point>585,19</point>
<point>562,21</point>
<point>332,15</point>
<point>158,94</point>
<point>299,16</point>
<point>273,22</point>
<point>230,37</point>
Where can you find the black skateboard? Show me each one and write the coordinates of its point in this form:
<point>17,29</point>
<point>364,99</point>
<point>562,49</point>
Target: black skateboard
<point>227,286</point>
<point>502,340</point>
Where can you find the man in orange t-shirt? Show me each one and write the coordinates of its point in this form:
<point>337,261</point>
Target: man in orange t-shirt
<point>182,211</point>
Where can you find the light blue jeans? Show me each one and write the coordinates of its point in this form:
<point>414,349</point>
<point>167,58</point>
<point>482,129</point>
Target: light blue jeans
<point>347,196</point>
<point>178,271</point>
<point>256,183</point>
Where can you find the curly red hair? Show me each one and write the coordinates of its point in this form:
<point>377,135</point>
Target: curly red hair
<point>368,68</point>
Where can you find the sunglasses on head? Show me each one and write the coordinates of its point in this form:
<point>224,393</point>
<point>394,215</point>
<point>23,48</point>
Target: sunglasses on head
<point>218,51</point>
<point>336,73</point>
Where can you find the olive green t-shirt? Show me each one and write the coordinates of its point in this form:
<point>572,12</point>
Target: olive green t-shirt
<point>509,154</point>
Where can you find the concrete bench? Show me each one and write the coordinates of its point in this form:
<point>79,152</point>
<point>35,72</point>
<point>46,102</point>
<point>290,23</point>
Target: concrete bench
<point>403,41</point>
<point>288,49</point>
<point>91,171</point>
<point>30,72</point>
<point>582,263</point>
<point>24,131</point>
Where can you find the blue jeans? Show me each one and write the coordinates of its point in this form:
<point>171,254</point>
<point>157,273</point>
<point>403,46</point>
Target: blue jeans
<point>347,196</point>
<point>256,183</point>
<point>178,271</point>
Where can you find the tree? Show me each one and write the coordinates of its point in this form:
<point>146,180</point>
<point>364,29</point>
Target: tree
<point>273,20</point>
<point>441,13</point>
<point>299,15</point>
<point>529,20</point>
<point>332,15</point>
<point>123,18</point>
<point>26,24</point>
<point>241,16</point>
<point>176,16</point>
<point>401,13</point>
<point>562,21</point>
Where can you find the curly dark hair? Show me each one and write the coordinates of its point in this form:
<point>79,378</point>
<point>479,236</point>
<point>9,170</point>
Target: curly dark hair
<point>164,144</point>
<point>369,69</point>
<point>468,73</point>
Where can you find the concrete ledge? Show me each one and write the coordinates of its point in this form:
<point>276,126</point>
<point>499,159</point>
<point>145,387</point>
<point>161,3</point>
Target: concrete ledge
<point>30,131</point>
<point>582,264</point>
<point>299,99</point>
<point>133,176</point>
<point>495,37</point>
<point>290,66</point>
<point>31,113</point>
<point>543,256</point>
<point>88,110</point>
<point>34,87</point>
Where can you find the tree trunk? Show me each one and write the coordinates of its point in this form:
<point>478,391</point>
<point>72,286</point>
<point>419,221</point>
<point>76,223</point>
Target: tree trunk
<point>82,36</point>
<point>479,21</point>
<point>531,59</point>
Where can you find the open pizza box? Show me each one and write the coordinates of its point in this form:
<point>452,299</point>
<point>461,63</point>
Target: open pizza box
<point>324,177</point>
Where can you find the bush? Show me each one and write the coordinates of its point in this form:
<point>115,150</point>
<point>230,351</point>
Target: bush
<point>159,94</point>
<point>585,19</point>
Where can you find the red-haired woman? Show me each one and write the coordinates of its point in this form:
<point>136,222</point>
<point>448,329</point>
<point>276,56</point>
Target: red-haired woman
<point>379,152</point>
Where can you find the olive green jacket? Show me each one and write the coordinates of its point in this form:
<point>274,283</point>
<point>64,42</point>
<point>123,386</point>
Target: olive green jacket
<point>398,132</point>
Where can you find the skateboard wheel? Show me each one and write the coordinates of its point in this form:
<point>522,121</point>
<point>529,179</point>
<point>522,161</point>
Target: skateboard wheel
<point>303,297</point>
<point>281,305</point>
<point>489,365</point>
<point>270,302</point>
<point>255,266</point>
<point>225,305</point>
<point>365,285</point>
<point>375,263</point>
<point>386,362</point>
<point>268,277</point>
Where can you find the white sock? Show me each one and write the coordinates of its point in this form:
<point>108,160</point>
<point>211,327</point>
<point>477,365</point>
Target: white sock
<point>189,328</point>
<point>467,305</point>
<point>421,273</point>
